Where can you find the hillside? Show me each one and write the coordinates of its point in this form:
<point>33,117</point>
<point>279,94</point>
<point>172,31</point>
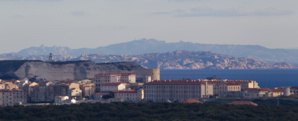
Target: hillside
<point>155,46</point>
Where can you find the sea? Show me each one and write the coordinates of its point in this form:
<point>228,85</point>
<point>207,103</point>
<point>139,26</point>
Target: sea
<point>266,78</point>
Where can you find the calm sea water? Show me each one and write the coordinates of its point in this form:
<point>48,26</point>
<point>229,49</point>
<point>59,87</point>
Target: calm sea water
<point>265,78</point>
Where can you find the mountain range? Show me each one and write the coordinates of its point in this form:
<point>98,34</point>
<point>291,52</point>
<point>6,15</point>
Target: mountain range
<point>143,46</point>
<point>170,60</point>
<point>180,55</point>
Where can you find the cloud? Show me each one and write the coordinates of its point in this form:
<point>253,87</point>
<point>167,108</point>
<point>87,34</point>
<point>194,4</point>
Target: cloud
<point>205,11</point>
<point>78,13</point>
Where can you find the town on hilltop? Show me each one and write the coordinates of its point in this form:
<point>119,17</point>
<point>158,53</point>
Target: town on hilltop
<point>121,86</point>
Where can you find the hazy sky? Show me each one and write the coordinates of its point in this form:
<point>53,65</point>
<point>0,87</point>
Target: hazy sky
<point>94,23</point>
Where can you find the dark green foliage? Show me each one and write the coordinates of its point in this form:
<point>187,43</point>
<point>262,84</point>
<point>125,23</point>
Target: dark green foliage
<point>148,111</point>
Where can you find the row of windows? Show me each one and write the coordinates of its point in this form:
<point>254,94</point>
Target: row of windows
<point>166,91</point>
<point>126,94</point>
<point>177,87</point>
<point>175,96</point>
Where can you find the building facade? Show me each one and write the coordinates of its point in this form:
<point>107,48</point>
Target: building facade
<point>113,78</point>
<point>178,90</point>
<point>130,95</point>
<point>12,97</point>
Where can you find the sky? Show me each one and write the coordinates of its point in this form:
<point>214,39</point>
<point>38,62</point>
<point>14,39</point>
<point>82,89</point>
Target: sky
<point>94,23</point>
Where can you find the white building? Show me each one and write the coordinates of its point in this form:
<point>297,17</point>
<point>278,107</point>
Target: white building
<point>262,93</point>
<point>162,91</point>
<point>105,87</point>
<point>112,78</point>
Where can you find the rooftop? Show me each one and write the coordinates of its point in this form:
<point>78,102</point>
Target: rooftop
<point>243,103</point>
<point>116,74</point>
<point>111,84</point>
<point>127,91</point>
<point>175,82</point>
<point>255,89</point>
<point>276,90</point>
<point>191,101</point>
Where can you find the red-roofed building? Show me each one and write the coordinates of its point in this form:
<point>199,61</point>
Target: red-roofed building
<point>113,78</point>
<point>162,91</point>
<point>191,101</point>
<point>243,103</point>
<point>275,92</point>
<point>220,87</point>
<point>261,93</point>
<point>130,95</point>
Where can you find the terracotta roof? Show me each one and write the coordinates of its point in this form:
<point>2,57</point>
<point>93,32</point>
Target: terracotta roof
<point>243,103</point>
<point>191,101</point>
<point>97,93</point>
<point>128,91</point>
<point>111,84</point>
<point>117,74</point>
<point>255,89</point>
<point>276,90</point>
<point>175,82</point>
<point>232,84</point>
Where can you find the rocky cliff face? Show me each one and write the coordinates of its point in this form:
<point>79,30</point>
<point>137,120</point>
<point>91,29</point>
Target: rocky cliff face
<point>73,70</point>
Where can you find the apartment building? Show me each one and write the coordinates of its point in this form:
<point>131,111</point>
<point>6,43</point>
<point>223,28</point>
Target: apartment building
<point>130,95</point>
<point>162,91</point>
<point>12,97</point>
<point>113,78</point>
<point>220,87</point>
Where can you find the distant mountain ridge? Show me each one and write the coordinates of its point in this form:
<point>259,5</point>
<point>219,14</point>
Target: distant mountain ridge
<point>143,46</point>
<point>173,60</point>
